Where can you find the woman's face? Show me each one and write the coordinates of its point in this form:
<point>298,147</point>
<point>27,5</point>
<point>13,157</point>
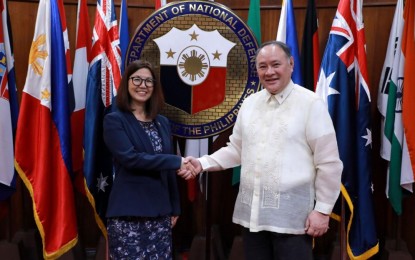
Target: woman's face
<point>140,86</point>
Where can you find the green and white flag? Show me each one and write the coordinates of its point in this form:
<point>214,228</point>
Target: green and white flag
<point>254,23</point>
<point>399,171</point>
<point>254,19</point>
<point>394,36</point>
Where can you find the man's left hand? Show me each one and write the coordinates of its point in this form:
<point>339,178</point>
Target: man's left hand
<point>317,224</point>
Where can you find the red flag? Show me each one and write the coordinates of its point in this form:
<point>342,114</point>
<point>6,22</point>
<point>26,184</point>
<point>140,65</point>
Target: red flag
<point>43,145</point>
<point>159,4</point>
<point>195,148</point>
<point>80,74</point>
<point>408,48</point>
<point>310,55</point>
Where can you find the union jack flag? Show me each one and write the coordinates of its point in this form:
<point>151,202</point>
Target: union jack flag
<point>106,49</point>
<point>343,84</point>
<point>104,77</point>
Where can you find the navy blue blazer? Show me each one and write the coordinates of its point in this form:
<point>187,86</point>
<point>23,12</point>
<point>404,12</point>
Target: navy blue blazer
<point>145,183</point>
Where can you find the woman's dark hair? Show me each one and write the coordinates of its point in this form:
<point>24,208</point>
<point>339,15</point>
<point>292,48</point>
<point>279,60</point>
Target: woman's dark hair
<point>156,101</point>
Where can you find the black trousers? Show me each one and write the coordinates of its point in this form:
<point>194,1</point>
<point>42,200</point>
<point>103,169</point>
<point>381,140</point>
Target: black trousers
<point>266,245</point>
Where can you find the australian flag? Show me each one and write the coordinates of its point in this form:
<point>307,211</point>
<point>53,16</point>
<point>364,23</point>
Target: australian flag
<point>104,77</point>
<point>343,84</point>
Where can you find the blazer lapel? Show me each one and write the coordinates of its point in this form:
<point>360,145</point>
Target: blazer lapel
<point>139,137</point>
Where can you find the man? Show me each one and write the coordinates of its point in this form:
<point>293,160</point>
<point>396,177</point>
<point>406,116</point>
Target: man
<point>285,142</point>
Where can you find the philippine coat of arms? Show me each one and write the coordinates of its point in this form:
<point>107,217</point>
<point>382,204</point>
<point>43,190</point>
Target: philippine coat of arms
<point>194,62</point>
<point>205,56</point>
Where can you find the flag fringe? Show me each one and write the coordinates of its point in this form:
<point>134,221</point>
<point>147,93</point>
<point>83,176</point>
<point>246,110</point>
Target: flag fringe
<point>98,219</point>
<point>47,255</point>
<point>368,253</point>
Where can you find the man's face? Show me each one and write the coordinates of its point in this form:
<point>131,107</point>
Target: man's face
<point>274,68</point>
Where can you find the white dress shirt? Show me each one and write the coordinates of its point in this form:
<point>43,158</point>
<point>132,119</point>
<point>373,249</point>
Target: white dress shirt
<point>287,149</point>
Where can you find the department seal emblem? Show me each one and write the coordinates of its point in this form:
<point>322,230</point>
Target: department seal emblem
<point>205,56</point>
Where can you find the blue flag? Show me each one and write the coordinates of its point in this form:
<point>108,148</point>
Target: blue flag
<point>124,34</point>
<point>104,77</point>
<point>287,33</point>
<point>343,84</point>
<point>97,158</point>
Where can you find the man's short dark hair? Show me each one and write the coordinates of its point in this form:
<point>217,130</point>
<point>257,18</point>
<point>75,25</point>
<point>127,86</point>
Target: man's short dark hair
<point>280,44</point>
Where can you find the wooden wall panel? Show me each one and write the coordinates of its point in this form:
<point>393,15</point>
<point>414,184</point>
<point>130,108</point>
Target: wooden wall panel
<point>22,18</point>
<point>378,15</point>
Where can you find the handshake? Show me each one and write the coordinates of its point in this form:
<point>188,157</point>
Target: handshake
<point>190,168</point>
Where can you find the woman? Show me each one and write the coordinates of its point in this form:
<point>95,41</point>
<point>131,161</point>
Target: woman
<point>144,202</point>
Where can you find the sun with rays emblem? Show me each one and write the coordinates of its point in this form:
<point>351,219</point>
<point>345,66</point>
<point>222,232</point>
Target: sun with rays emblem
<point>193,65</point>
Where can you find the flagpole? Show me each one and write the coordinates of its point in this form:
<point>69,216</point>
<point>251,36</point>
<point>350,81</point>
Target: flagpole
<point>207,217</point>
<point>397,232</point>
<point>208,206</point>
<point>343,237</point>
<point>9,217</point>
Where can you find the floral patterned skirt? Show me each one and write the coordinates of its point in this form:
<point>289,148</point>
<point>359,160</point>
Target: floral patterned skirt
<point>140,238</point>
